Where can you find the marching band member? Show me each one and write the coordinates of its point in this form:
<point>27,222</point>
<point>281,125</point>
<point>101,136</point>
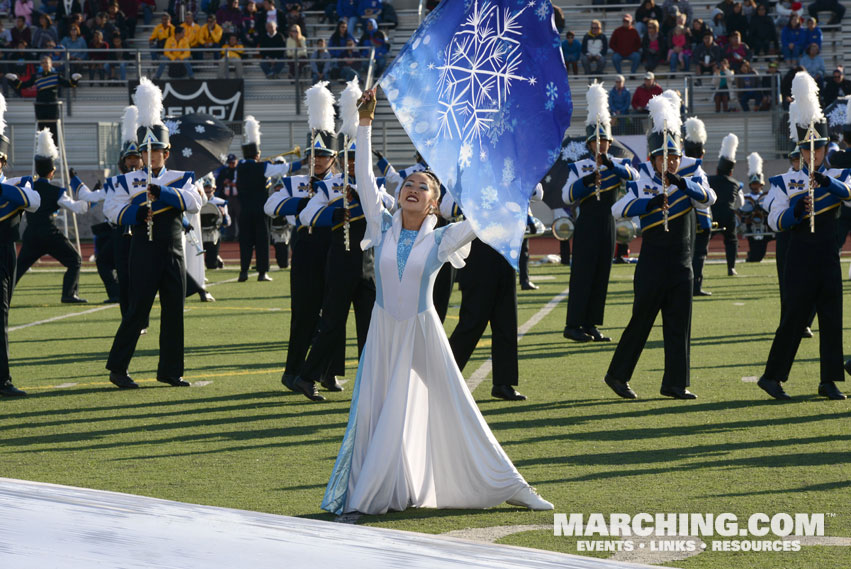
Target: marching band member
<point>813,277</point>
<point>251,181</point>
<point>152,201</point>
<point>214,216</point>
<point>663,275</point>
<point>42,237</point>
<point>307,268</point>
<point>593,185</point>
<point>48,84</point>
<point>16,196</point>
<point>730,198</point>
<point>753,213</point>
<point>694,149</point>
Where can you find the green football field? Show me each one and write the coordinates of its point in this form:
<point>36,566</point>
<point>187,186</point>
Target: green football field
<point>237,439</point>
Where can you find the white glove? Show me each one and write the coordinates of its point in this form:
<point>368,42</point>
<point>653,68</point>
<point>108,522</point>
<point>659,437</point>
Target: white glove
<point>11,77</point>
<point>75,76</point>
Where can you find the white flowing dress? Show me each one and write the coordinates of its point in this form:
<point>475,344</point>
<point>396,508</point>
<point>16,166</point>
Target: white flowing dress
<point>415,436</point>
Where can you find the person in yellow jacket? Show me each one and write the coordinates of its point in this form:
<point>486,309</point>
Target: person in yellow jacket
<point>176,51</point>
<point>232,54</point>
<point>161,33</point>
<point>193,33</point>
<point>211,35</point>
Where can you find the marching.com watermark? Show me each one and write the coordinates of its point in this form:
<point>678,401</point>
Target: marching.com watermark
<point>682,531</point>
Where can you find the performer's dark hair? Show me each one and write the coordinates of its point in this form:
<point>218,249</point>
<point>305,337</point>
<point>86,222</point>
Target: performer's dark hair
<point>44,169</point>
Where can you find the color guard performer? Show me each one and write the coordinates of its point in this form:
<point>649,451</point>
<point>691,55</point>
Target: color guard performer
<point>730,198</point>
<point>805,204</point>
<point>42,237</point>
<point>663,275</point>
<point>16,196</point>
<point>152,202</point>
<point>593,185</point>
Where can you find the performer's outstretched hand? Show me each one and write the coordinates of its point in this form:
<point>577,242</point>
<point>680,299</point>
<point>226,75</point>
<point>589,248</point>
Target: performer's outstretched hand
<point>366,107</point>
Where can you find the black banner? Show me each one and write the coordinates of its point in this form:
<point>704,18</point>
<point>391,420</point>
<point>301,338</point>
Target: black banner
<point>221,98</point>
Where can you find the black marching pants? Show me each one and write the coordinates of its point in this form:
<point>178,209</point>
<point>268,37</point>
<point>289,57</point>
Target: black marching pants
<point>253,237</point>
<point>8,267</point>
<point>698,260</point>
<point>593,247</point>
<point>211,254</point>
<point>39,241</point>
<point>731,240</point>
<point>105,263</point>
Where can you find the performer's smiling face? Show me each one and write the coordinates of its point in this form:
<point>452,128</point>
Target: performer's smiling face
<point>419,194</point>
<point>818,156</point>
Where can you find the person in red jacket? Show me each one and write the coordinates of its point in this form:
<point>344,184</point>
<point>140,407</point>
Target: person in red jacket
<point>645,92</point>
<point>625,43</point>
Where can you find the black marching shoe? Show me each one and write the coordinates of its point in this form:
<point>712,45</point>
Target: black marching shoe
<point>773,388</point>
<point>174,381</point>
<point>287,380</point>
<point>577,335</point>
<point>506,392</point>
<point>807,333</point>
<point>677,392</point>
<point>243,276</point>
<point>828,389</point>
<point>122,381</point>
<point>73,299</point>
<point>331,384</point>
<point>595,334</point>
<point>307,388</point>
<point>9,390</point>
<point>702,292</point>
<point>263,277</point>
<point>206,296</point>
<point>622,388</point>
<point>731,272</point>
<point>528,285</point>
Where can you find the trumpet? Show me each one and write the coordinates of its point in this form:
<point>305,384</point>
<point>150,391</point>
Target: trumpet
<point>296,151</point>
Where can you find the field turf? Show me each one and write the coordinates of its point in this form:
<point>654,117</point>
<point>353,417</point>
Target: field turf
<point>237,439</point>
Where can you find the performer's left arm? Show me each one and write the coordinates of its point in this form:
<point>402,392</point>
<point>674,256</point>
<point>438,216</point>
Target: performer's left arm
<point>837,183</point>
<point>276,169</point>
<point>83,192</point>
<point>183,198</point>
<point>701,197</point>
<point>454,244</point>
<point>79,207</point>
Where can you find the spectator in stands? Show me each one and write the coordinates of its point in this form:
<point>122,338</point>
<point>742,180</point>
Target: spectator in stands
<point>148,7</point>
<point>339,38</point>
<point>670,22</point>
<point>619,97</point>
<point>786,84</point>
<point>101,24</point>
<point>835,7</point>
<point>57,54</point>
<point>75,19</point>
<point>654,49</point>
<point>249,28</point>
<point>682,6</point>
<point>45,31</point>
<point>116,18</point>
<point>645,92</point>
<point>21,32</point>
<point>178,53</point>
<point>625,43</point>
<point>696,31</point>
<point>572,51</point>
<point>748,86</point>
<point>296,50</point>
<point>193,34</point>
<point>369,9</point>
<point>117,59</point>
<point>718,27</point>
<point>294,17</point>
<point>161,33</point>
<point>722,80</point>
<point>813,62</point>
<point>210,36</point>
<point>726,6</point>
<point>790,40</point>
<point>837,87</point>
<point>321,64</point>
<point>736,21</point>
<point>24,9</point>
<point>647,11</point>
<point>770,82</point>
<point>736,51</point>
<point>594,49</point>
<point>707,55</point>
<point>47,7</point>
<point>21,61</point>
<point>679,51</point>
<point>350,63</point>
<point>232,54</point>
<point>270,13</point>
<point>5,36</point>
<point>130,11</point>
<point>762,34</point>
<point>63,10</point>
<point>811,34</point>
<point>785,10</point>
<point>229,16</point>
<point>348,10</point>
<point>98,56</point>
<point>76,47</point>
<point>373,37</point>
<point>272,61</point>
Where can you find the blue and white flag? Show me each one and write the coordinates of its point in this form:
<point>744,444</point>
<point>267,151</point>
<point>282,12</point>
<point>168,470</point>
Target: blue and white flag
<point>481,89</point>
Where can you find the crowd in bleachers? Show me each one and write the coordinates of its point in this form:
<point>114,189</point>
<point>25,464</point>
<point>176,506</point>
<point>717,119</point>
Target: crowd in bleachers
<point>740,49</point>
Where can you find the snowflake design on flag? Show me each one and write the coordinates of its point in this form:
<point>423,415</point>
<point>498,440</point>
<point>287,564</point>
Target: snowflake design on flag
<point>552,91</point>
<point>489,197</point>
<point>465,155</point>
<point>200,129</point>
<point>173,127</point>
<point>479,66</point>
<point>837,115</point>
<point>543,11</point>
<point>187,152</point>
<point>573,151</point>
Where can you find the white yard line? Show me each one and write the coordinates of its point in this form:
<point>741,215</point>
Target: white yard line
<point>482,372</point>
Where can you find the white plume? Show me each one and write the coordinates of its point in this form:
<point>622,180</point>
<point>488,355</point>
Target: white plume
<point>662,111</point>
<point>754,164</point>
<point>349,108</point>
<point>2,114</point>
<point>674,97</point>
<point>44,145</point>
<point>695,130</point>
<point>728,147</point>
<point>598,105</point>
<point>793,110</point>
<point>252,130</point>
<point>129,123</point>
<point>149,99</point>
<point>805,92</point>
<point>847,113</point>
<point>320,107</point>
